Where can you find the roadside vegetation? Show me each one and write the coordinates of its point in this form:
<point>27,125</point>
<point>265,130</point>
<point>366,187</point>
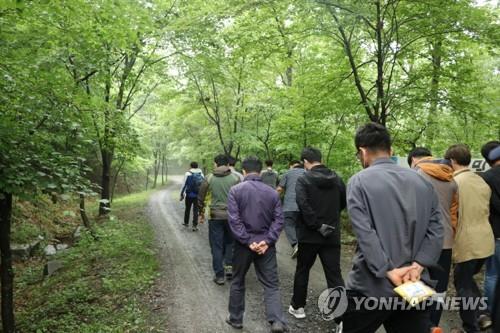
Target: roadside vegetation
<point>103,283</point>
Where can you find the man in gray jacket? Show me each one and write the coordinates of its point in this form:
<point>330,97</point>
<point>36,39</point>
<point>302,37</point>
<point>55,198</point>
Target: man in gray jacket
<point>395,215</point>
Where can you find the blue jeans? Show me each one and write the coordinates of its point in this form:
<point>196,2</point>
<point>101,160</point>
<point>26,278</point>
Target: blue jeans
<point>492,271</point>
<point>221,244</point>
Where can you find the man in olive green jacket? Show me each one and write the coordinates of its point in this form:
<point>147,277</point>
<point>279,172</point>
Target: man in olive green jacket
<point>218,185</point>
<point>474,241</point>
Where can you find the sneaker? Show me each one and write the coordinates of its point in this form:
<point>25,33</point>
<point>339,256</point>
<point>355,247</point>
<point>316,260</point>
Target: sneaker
<point>195,228</point>
<point>238,326</point>
<point>436,330</point>
<point>295,251</point>
<point>297,313</point>
<point>277,327</point>
<point>219,280</point>
<point>484,322</point>
<point>228,271</point>
<point>185,224</point>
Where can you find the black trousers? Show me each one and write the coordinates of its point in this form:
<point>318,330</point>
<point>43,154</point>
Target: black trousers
<point>368,320</point>
<point>443,277</point>
<point>466,287</point>
<point>191,202</point>
<point>330,259</point>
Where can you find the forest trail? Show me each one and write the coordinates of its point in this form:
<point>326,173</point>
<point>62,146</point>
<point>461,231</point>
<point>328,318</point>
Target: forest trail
<point>190,300</point>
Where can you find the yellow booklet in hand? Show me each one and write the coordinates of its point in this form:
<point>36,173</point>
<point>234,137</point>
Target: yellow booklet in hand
<point>414,292</point>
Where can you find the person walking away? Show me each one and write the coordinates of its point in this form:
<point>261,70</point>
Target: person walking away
<point>491,153</point>
<point>290,208</point>
<point>441,177</point>
<point>232,166</point>
<point>190,188</point>
<point>474,241</point>
<point>320,196</point>
<point>256,220</point>
<point>218,185</point>
<point>269,176</point>
<point>396,218</point>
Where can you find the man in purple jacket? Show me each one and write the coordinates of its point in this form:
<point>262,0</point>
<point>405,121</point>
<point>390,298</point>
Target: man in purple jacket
<point>256,220</point>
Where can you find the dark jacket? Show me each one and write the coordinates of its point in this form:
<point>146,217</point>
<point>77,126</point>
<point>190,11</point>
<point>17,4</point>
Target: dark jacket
<point>255,212</point>
<point>492,177</point>
<point>321,196</point>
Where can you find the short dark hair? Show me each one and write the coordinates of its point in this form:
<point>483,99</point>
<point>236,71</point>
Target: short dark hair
<point>231,160</point>
<point>269,163</point>
<point>311,154</point>
<point>418,152</point>
<point>194,165</point>
<point>373,136</point>
<point>252,164</point>
<point>293,162</point>
<point>221,160</point>
<point>460,153</point>
<point>487,148</point>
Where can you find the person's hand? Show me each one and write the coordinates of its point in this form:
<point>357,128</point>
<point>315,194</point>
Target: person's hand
<point>414,274</point>
<point>259,248</point>
<point>397,275</point>
<point>201,219</point>
<point>182,197</point>
<point>253,246</point>
<point>262,247</point>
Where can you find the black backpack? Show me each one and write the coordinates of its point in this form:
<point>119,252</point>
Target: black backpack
<point>194,182</point>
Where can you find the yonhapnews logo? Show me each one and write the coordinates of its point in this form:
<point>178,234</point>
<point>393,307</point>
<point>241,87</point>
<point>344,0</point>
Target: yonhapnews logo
<point>332,303</point>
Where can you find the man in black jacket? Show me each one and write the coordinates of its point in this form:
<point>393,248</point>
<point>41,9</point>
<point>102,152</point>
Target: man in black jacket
<point>491,153</point>
<point>320,198</point>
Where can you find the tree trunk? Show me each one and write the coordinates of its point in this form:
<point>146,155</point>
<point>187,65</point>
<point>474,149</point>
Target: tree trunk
<point>166,170</point>
<point>83,212</point>
<point>163,169</point>
<point>147,179</point>
<point>7,275</point>
<point>434,93</point>
<point>126,182</point>
<point>104,205</point>
<point>115,179</point>
<point>156,167</point>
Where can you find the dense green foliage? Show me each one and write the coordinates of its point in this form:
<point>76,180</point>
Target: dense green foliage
<point>95,92</point>
<point>274,76</point>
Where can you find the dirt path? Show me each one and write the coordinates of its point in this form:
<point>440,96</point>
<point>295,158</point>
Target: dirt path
<point>189,298</point>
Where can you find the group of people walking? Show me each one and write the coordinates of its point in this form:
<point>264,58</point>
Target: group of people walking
<point>410,225</point>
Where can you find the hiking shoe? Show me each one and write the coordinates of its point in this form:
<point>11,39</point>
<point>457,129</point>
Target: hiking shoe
<point>195,228</point>
<point>297,313</point>
<point>277,327</point>
<point>219,280</point>
<point>238,326</point>
<point>295,251</point>
<point>228,271</point>
<point>436,330</point>
<point>484,322</point>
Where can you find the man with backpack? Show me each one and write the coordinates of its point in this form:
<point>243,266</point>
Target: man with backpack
<point>269,176</point>
<point>218,185</point>
<point>191,186</point>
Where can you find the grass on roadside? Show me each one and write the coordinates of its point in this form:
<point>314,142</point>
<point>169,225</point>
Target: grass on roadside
<point>102,285</point>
